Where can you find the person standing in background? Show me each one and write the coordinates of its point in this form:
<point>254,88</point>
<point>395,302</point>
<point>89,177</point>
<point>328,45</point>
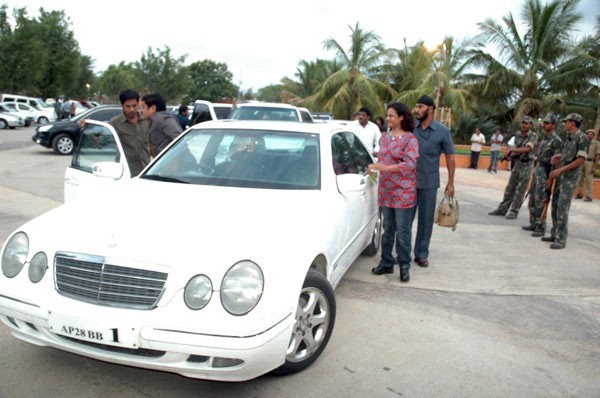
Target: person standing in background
<point>588,168</point>
<point>477,140</point>
<point>183,116</point>
<point>496,142</point>
<point>367,131</point>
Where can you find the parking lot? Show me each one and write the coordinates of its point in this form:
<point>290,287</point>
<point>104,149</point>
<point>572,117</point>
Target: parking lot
<point>497,313</point>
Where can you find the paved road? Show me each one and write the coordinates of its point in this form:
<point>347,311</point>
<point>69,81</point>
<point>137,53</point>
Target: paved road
<point>497,314</point>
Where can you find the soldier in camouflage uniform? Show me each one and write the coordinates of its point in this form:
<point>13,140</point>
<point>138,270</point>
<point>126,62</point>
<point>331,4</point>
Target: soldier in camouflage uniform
<point>566,173</point>
<point>514,194</point>
<point>549,145</point>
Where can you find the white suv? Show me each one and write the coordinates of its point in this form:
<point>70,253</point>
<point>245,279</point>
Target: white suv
<point>270,111</point>
<point>206,110</point>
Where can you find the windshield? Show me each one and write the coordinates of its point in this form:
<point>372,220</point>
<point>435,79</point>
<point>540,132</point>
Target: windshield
<point>241,158</point>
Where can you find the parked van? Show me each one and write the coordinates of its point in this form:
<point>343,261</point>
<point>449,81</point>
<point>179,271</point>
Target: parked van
<point>37,103</point>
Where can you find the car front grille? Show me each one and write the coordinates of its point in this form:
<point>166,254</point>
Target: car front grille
<point>91,279</point>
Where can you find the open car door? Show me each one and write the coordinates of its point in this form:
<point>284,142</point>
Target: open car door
<point>98,160</point>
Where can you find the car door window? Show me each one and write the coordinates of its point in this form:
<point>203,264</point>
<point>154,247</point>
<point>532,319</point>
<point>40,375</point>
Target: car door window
<point>349,154</point>
<point>104,114</point>
<point>97,144</point>
<point>201,113</point>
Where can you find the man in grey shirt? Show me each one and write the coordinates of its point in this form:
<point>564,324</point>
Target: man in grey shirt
<point>164,126</point>
<point>434,138</point>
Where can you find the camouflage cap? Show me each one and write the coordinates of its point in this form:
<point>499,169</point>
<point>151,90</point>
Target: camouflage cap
<point>576,117</point>
<point>550,118</point>
<point>527,119</point>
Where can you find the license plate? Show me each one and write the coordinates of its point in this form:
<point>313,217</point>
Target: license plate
<point>92,332</point>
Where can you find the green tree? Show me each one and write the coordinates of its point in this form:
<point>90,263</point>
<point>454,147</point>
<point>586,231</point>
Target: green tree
<point>116,78</point>
<point>162,73</point>
<point>352,86</point>
<point>523,69</point>
<point>40,56</point>
<point>210,81</point>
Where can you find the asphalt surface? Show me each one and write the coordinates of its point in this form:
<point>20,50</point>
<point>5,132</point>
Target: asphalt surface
<point>496,314</point>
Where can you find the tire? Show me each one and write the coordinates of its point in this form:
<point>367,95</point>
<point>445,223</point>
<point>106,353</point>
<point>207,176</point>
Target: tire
<point>373,247</point>
<point>315,318</point>
<point>63,144</point>
<point>3,124</point>
<point>42,120</point>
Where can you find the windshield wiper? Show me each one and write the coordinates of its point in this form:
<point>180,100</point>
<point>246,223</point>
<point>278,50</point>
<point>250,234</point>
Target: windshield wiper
<point>163,178</point>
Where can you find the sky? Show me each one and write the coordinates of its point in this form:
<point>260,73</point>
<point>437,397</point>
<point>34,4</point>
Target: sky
<point>262,41</point>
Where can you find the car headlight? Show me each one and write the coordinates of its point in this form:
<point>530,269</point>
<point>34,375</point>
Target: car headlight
<point>198,292</point>
<point>15,254</point>
<point>38,267</point>
<point>242,287</point>
<point>44,128</point>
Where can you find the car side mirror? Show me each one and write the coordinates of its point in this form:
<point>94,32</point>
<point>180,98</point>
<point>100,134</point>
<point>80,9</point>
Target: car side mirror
<point>110,170</point>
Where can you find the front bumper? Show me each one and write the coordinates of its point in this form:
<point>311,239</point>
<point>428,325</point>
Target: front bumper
<point>141,344</point>
<point>41,139</point>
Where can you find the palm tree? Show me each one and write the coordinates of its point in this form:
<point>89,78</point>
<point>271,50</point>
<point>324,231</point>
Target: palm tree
<point>353,86</point>
<point>310,75</point>
<point>522,71</point>
<point>443,77</point>
<point>578,78</point>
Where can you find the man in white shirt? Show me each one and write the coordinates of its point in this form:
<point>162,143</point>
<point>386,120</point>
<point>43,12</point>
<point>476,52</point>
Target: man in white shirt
<point>367,131</point>
<point>477,140</point>
<point>496,142</point>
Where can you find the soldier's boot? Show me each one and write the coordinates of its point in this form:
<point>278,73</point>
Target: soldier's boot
<point>548,239</point>
<point>528,227</point>
<point>511,215</point>
<point>538,231</point>
<point>558,245</point>
<point>496,212</point>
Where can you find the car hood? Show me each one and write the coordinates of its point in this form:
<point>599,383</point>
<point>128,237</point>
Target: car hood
<point>169,223</point>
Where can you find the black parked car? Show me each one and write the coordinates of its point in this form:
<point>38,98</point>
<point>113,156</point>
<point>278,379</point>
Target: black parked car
<point>62,135</point>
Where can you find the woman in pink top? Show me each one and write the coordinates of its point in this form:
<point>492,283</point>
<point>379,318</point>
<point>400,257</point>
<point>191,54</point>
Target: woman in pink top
<point>397,166</point>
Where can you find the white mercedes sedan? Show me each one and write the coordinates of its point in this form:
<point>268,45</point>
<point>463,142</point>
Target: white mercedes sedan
<point>217,262</point>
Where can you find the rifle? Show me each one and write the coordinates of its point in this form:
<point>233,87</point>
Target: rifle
<point>549,192</point>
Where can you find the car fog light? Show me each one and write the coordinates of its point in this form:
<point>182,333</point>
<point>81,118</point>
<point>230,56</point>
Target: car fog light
<point>226,362</point>
<point>15,254</point>
<point>242,288</point>
<point>198,292</point>
<point>38,267</point>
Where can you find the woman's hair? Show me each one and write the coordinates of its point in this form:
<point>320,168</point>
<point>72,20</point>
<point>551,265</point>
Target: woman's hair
<point>408,123</point>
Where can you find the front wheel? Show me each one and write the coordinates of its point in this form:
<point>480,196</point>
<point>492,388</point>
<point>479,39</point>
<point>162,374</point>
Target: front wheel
<point>3,124</point>
<point>63,144</point>
<point>315,318</point>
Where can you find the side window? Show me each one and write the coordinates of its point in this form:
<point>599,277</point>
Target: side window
<point>96,144</point>
<point>201,113</point>
<point>306,117</point>
<point>104,114</point>
<point>349,154</point>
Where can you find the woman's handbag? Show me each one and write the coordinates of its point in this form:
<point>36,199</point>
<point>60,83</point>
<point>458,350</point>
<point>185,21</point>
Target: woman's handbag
<point>447,212</point>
